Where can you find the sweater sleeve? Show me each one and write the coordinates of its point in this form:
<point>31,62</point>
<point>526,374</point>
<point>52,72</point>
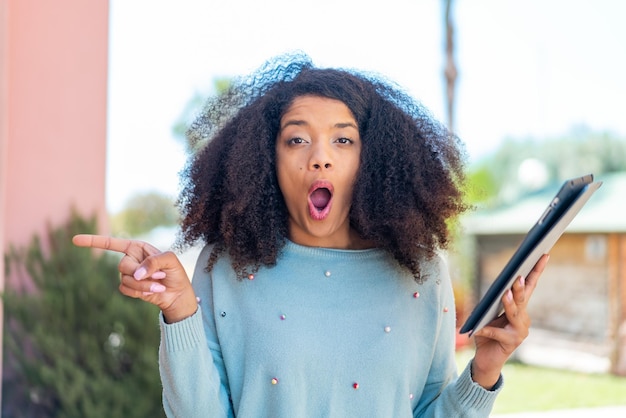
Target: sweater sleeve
<point>191,382</point>
<point>192,372</point>
<point>446,394</point>
<point>463,398</point>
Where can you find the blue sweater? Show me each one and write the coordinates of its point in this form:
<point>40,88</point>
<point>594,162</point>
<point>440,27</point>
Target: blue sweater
<point>324,333</point>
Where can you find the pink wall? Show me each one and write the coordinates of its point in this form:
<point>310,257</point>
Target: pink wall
<point>53,91</point>
<point>56,74</point>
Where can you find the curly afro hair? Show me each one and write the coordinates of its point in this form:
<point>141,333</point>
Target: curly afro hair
<point>408,188</point>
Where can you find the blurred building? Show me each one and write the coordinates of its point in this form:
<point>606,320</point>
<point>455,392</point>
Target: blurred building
<point>53,100</point>
<point>580,302</point>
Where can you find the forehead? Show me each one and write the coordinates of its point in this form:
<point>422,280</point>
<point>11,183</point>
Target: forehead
<point>317,106</point>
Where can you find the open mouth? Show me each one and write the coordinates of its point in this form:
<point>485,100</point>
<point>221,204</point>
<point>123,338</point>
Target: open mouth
<point>320,199</point>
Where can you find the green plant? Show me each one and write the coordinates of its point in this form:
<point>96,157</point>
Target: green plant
<point>74,346</point>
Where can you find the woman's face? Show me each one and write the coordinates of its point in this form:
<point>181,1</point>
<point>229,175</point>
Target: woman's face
<point>318,152</point>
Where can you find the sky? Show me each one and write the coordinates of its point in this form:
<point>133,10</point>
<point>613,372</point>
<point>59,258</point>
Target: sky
<point>531,68</point>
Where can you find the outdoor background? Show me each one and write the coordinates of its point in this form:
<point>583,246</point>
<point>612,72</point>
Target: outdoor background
<point>531,68</point>
<point>539,97</point>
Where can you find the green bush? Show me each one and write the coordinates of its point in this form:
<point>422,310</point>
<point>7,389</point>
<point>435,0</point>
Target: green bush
<point>74,346</point>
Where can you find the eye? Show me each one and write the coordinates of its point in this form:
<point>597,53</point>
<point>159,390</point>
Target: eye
<point>344,141</point>
<point>295,141</point>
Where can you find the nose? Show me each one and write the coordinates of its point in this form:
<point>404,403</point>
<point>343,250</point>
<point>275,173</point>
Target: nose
<point>320,158</point>
<point>319,166</point>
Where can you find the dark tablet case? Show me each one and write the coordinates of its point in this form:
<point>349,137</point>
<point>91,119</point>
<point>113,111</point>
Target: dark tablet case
<point>565,205</point>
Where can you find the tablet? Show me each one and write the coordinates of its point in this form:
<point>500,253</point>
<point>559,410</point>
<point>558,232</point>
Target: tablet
<point>561,210</point>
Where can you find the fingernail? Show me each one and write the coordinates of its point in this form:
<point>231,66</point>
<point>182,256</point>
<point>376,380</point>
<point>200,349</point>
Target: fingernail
<point>157,288</point>
<point>140,273</point>
<point>509,295</point>
<point>159,275</point>
<point>147,293</point>
<point>522,280</point>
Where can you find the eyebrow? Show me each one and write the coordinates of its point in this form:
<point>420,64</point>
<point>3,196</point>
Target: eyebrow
<point>339,125</point>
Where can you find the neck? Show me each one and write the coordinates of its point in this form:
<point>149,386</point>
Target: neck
<point>350,241</point>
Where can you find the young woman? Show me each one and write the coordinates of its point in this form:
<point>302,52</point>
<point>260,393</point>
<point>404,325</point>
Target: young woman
<point>324,198</point>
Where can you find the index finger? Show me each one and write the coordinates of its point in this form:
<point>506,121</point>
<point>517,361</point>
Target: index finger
<point>103,242</point>
<point>535,273</point>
